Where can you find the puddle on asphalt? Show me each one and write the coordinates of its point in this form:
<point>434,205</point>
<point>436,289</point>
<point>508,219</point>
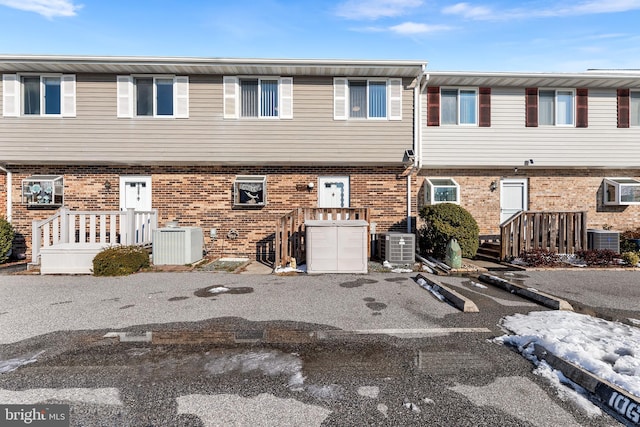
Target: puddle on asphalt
<point>357,283</point>
<point>376,306</point>
<point>396,279</point>
<point>216,290</point>
<point>177,298</point>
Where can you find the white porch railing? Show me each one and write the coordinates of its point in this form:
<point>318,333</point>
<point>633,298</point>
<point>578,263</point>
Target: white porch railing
<point>109,227</point>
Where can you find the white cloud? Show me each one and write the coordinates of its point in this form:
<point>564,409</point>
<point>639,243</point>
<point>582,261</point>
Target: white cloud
<point>46,8</point>
<point>485,13</point>
<point>410,28</point>
<point>375,9</point>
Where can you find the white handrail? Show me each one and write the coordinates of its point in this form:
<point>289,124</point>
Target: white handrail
<point>79,227</point>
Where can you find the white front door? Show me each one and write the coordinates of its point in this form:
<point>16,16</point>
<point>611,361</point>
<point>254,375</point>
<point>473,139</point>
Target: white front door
<point>135,193</point>
<point>513,197</point>
<point>333,192</point>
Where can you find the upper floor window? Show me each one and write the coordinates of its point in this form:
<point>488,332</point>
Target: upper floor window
<point>258,97</point>
<point>459,106</point>
<point>153,96</point>
<point>39,95</point>
<point>634,108</point>
<point>367,99</point>
<point>555,108</point>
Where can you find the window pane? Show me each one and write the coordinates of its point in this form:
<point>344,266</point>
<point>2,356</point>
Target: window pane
<point>467,107</point>
<point>634,115</point>
<point>445,194</point>
<point>249,98</point>
<point>357,99</point>
<point>31,95</point>
<point>164,97</point>
<point>546,108</point>
<point>51,95</point>
<point>377,99</point>
<point>565,108</point>
<point>449,106</point>
<point>144,97</point>
<point>269,98</point>
<point>630,193</point>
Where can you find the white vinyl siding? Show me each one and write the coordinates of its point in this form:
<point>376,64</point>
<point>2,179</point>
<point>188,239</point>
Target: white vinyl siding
<point>48,95</point>
<point>152,96</point>
<point>367,98</point>
<point>508,143</point>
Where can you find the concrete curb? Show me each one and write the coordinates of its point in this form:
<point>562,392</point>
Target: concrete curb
<point>621,402</point>
<point>460,302</point>
<point>535,295</point>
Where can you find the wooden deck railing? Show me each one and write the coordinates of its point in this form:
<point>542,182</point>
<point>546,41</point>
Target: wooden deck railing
<point>560,232</point>
<point>290,231</point>
<point>109,227</point>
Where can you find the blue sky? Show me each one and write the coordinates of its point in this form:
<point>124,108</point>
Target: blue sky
<point>488,35</point>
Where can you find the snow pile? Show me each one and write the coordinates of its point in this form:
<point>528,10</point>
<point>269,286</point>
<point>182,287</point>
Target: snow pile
<point>300,269</point>
<point>609,350</point>
<point>423,283</point>
<point>13,364</point>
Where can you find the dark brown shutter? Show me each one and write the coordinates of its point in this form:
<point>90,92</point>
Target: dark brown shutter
<point>531,101</point>
<point>582,108</point>
<point>433,106</point>
<point>623,108</point>
<point>484,110</point>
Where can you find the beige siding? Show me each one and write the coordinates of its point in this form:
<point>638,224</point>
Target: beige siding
<point>312,136</point>
<point>508,143</point>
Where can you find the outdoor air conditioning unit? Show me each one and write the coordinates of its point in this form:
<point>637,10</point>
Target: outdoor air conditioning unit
<point>177,245</point>
<point>603,239</point>
<point>397,248</point>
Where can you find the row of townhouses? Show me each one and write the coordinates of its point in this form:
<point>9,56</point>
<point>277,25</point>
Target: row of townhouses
<point>233,145</point>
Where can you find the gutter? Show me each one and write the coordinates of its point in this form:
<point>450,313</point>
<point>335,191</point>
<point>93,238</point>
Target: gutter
<point>9,198</point>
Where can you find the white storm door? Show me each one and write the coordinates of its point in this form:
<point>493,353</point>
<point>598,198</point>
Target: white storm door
<point>135,193</point>
<point>513,197</point>
<point>333,192</point>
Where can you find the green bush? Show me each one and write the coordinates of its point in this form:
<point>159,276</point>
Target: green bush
<point>631,258</point>
<point>120,261</point>
<point>443,222</point>
<point>6,239</point>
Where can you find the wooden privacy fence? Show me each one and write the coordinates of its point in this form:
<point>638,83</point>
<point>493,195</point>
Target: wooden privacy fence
<point>290,230</point>
<point>560,232</point>
<point>78,227</point>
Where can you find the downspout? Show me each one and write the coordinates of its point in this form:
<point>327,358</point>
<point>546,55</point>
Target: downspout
<point>9,198</point>
<point>417,146</point>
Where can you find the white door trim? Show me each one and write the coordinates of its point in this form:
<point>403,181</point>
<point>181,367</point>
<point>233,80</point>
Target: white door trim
<point>522,183</point>
<point>124,179</point>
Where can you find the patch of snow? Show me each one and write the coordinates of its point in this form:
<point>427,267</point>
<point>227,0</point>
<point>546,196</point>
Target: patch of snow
<point>331,392</point>
<point>402,270</point>
<point>387,264</point>
<point>427,268</point>
<point>219,290</point>
<point>478,285</point>
<point>428,401</point>
<point>634,321</point>
<point>609,350</point>
<point>423,283</point>
<point>369,391</point>
<point>382,408</point>
<point>13,364</point>
<point>300,269</point>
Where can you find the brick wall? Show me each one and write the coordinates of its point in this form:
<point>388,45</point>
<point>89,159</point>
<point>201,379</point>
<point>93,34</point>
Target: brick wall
<point>549,190</point>
<point>202,196</point>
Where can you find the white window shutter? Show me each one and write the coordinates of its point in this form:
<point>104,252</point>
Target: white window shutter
<point>231,95</point>
<point>68,89</point>
<point>125,96</point>
<point>10,95</point>
<point>340,90</point>
<point>395,99</point>
<point>181,97</point>
<point>286,98</point>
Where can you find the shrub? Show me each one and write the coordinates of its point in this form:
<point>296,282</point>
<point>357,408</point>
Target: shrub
<point>631,258</point>
<point>540,258</point>
<point>120,261</point>
<point>600,257</point>
<point>6,239</point>
<point>445,221</point>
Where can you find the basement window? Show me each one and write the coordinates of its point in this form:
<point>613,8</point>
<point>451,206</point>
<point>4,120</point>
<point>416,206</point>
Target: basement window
<point>250,191</point>
<point>441,190</point>
<point>621,191</point>
<point>43,190</point>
